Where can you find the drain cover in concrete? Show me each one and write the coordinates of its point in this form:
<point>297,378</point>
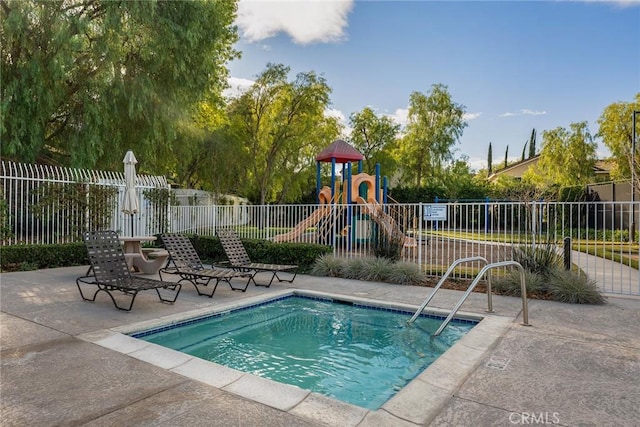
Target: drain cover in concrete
<point>498,363</point>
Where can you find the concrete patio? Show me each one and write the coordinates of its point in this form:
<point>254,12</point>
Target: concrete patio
<point>65,362</point>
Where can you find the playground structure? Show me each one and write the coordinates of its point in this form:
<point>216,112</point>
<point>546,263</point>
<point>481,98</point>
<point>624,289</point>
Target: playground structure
<point>347,209</point>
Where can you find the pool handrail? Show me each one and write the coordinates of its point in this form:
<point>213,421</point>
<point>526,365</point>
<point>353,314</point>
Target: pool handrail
<point>442,280</point>
<point>523,291</point>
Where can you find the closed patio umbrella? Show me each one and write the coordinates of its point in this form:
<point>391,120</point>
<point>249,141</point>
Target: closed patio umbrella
<point>130,204</point>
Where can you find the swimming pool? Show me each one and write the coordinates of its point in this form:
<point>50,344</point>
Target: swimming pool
<point>356,353</point>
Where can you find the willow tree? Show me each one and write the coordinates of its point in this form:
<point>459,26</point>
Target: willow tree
<point>435,124</point>
<point>376,137</point>
<point>82,81</point>
<point>281,126</point>
<point>616,131</point>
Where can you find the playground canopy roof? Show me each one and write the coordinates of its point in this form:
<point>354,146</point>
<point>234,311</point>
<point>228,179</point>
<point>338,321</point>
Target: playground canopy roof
<point>341,151</point>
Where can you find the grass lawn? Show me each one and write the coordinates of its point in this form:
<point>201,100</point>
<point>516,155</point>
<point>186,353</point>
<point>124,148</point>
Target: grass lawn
<point>620,252</point>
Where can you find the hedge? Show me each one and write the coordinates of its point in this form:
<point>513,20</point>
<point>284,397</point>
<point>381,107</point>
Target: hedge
<point>32,257</point>
<point>301,254</point>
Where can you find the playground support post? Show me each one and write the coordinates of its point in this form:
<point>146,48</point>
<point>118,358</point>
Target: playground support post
<point>377,189</point>
<point>385,190</point>
<point>318,178</point>
<point>333,178</point>
<point>633,177</point>
<point>349,224</point>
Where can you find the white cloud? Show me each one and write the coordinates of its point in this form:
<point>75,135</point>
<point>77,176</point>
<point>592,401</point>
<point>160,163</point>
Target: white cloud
<point>619,3</point>
<point>305,21</point>
<point>342,119</point>
<point>533,113</point>
<point>332,112</point>
<point>476,163</point>
<point>400,116</point>
<point>471,116</point>
<point>237,86</point>
<point>524,112</point>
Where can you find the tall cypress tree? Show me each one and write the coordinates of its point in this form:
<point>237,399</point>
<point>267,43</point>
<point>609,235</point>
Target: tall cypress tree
<point>489,160</point>
<point>506,157</point>
<point>532,143</point>
<point>524,150</point>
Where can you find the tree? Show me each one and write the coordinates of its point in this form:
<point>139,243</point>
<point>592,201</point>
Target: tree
<point>462,184</point>
<point>210,158</point>
<point>376,138</point>
<point>506,187</point>
<point>617,134</point>
<point>435,124</point>
<point>489,160</point>
<point>532,144</point>
<point>567,158</point>
<point>524,150</point>
<point>281,126</point>
<point>506,157</point>
<point>83,81</point>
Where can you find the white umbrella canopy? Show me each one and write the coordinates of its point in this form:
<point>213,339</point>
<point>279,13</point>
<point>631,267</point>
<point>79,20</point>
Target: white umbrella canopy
<point>130,205</point>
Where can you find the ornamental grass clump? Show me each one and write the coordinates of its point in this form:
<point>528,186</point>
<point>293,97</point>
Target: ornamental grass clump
<point>406,273</point>
<point>546,277</point>
<point>356,268</point>
<point>509,283</point>
<point>376,269</point>
<point>541,258</point>
<point>574,288</point>
<point>329,266</point>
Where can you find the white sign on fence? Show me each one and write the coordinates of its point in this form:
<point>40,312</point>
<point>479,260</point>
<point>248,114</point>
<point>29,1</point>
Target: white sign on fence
<point>435,212</point>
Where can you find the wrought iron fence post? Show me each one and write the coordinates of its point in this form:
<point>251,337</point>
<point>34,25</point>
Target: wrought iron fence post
<point>567,253</point>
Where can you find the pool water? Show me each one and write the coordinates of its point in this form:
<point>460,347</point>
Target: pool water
<point>358,354</point>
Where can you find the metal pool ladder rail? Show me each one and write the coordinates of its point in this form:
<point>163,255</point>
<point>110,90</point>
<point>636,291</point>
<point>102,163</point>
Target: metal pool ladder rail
<point>449,271</point>
<point>523,290</point>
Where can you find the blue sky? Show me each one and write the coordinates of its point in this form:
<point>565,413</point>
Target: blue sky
<point>514,65</point>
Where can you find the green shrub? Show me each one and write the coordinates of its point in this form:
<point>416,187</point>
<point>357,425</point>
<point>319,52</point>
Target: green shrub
<point>328,266</point>
<point>32,257</point>
<point>5,226</point>
<point>605,235</point>
<point>301,254</point>
<point>16,257</point>
<point>574,288</point>
<point>406,273</point>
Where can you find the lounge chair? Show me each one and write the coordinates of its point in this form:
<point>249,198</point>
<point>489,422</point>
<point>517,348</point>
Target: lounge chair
<point>110,273</point>
<point>239,259</point>
<point>185,262</point>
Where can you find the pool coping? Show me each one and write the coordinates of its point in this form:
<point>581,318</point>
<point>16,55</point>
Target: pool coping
<point>418,402</point>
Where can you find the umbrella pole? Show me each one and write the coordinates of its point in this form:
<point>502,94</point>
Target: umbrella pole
<point>131,225</point>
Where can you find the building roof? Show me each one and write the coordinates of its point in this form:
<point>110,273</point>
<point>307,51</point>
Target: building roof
<point>341,151</point>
